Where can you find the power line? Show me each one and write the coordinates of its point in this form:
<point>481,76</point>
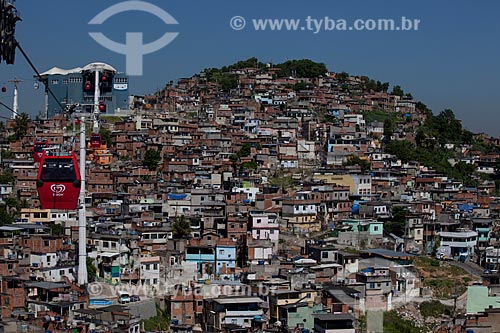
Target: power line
<point>10,109</point>
<point>39,76</point>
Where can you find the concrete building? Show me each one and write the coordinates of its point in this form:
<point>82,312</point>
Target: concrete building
<point>77,85</point>
<point>223,311</point>
<point>458,245</point>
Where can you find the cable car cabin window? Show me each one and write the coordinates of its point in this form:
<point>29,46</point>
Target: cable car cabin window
<point>60,170</point>
<point>39,148</point>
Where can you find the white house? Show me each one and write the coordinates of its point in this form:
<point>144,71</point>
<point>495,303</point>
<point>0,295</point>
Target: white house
<point>457,245</point>
<point>150,271</point>
<point>264,226</point>
<point>43,260</point>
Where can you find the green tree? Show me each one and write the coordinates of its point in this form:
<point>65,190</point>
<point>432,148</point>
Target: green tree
<point>356,160</point>
<point>228,81</point>
<point>106,136</point>
<point>343,77</point>
<point>234,158</point>
<point>300,86</point>
<point>20,126</point>
<point>57,229</point>
<point>404,150</point>
<point>301,68</point>
<point>396,90</point>
<point>250,165</point>
<point>160,322</point>
<point>91,269</point>
<point>388,128</point>
<point>423,108</point>
<point>397,223</point>
<point>5,217</point>
<point>245,150</point>
<point>7,178</point>
<point>151,159</point>
<point>181,227</point>
<point>12,204</point>
<point>393,323</point>
<point>7,154</point>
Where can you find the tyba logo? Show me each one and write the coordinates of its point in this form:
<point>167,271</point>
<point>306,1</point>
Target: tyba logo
<point>134,49</point>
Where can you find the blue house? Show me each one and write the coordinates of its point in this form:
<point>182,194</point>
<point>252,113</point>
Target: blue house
<point>204,256</point>
<point>225,260</point>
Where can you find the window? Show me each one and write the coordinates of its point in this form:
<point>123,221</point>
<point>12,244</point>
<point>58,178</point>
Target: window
<point>55,81</point>
<point>375,228</point>
<point>324,255</point>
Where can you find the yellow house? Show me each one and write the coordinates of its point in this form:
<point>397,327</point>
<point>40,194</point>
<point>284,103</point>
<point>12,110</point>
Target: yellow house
<point>342,180</point>
<point>291,296</point>
<point>33,215</point>
<point>101,157</point>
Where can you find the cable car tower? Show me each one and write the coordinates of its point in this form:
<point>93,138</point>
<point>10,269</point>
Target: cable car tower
<point>15,106</point>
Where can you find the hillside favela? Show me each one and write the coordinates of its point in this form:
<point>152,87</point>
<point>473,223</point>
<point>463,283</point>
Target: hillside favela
<point>251,198</point>
<point>255,197</point>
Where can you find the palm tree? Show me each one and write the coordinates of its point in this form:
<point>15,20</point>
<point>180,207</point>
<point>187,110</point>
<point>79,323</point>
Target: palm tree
<point>181,227</point>
<point>20,126</point>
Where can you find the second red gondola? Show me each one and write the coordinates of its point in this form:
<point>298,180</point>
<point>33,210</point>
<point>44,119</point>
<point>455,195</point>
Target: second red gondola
<point>38,147</point>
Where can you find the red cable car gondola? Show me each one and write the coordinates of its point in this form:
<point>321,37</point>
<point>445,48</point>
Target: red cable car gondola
<point>38,147</point>
<point>87,86</point>
<point>102,106</point>
<point>95,140</point>
<point>58,182</point>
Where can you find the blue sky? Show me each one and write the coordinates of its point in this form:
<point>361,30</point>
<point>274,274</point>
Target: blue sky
<point>451,62</point>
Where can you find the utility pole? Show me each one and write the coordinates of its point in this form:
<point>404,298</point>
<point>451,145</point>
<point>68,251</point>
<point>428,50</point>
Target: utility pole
<point>82,215</point>
<point>97,96</point>
<point>15,105</point>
